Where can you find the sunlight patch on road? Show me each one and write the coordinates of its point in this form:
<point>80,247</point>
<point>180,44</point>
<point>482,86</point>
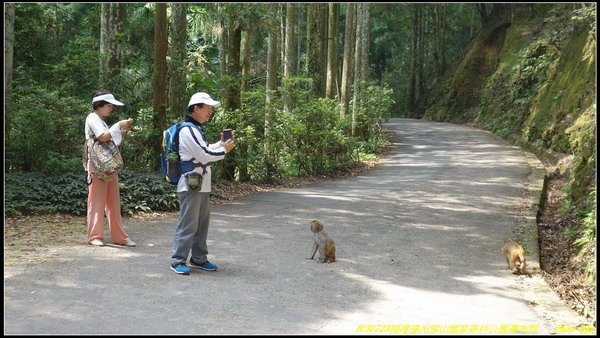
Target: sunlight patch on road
<point>399,305</point>
<point>330,197</point>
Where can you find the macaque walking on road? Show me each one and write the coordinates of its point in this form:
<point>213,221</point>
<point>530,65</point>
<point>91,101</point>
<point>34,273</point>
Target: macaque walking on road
<point>323,242</point>
<point>514,256</point>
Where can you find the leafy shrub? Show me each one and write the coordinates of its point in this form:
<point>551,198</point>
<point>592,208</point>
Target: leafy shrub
<point>296,89</point>
<point>42,131</point>
<point>586,244</point>
<point>377,103</point>
<point>315,139</point>
<point>583,236</point>
<point>248,123</point>
<point>32,193</point>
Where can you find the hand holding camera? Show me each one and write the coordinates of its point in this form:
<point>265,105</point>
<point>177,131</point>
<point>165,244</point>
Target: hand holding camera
<point>227,135</point>
<point>130,124</point>
<point>127,125</point>
<point>228,139</point>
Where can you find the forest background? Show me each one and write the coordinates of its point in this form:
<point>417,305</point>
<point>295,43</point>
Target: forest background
<point>304,86</point>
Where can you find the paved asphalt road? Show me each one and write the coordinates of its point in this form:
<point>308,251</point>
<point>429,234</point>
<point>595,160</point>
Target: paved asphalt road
<point>418,244</point>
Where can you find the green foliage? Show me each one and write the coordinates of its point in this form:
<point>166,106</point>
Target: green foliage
<point>296,89</point>
<point>311,139</point>
<point>146,192</point>
<point>43,127</point>
<point>50,50</point>
<point>586,15</point>
<point>513,88</point>
<point>582,140</point>
<point>315,139</point>
<point>251,159</point>
<point>137,153</point>
<point>586,243</point>
<point>76,72</point>
<point>584,239</point>
<point>32,193</point>
<point>366,150</point>
<point>560,98</point>
<point>378,102</point>
<point>202,76</point>
<point>461,92</point>
<point>391,31</point>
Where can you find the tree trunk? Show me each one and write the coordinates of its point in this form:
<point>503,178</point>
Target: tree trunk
<point>159,79</point>
<point>233,94</point>
<point>358,60</point>
<point>223,48</point>
<point>483,13</point>
<point>436,50</point>
<point>332,51</point>
<point>323,15</point>
<point>242,150</point>
<point>365,65</point>
<point>233,98</point>
<point>177,80</point>
<point>289,60</point>
<point>421,56</point>
<point>246,55</point>
<point>281,14</point>
<point>272,54</point>
<point>9,38</point>
<point>442,39</point>
<point>311,17</point>
<point>316,68</point>
<point>104,36</point>
<point>271,83</point>
<point>110,43</point>
<point>413,58</point>
<point>302,22</point>
<point>349,34</point>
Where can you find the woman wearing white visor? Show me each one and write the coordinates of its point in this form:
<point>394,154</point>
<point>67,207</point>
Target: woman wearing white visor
<point>103,191</point>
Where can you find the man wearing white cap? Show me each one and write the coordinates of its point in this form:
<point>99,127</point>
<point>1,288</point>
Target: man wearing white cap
<point>103,190</point>
<point>194,214</point>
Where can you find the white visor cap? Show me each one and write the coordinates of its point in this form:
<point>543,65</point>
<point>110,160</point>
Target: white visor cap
<point>203,98</point>
<point>108,98</point>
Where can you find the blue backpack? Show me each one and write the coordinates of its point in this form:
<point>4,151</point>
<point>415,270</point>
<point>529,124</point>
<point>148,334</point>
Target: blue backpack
<point>171,165</point>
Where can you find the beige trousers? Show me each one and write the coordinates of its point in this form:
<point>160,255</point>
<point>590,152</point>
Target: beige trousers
<point>103,197</point>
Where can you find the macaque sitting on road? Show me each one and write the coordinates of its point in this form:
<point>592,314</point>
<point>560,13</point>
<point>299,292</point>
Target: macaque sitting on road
<point>323,242</point>
<point>514,256</point>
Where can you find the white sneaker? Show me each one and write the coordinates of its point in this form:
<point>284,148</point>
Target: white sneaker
<point>97,242</point>
<point>129,243</point>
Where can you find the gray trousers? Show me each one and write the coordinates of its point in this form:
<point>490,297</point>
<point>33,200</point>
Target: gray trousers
<point>191,231</point>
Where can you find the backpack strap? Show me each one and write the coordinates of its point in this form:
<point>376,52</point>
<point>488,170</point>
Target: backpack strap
<point>187,166</point>
<point>190,165</point>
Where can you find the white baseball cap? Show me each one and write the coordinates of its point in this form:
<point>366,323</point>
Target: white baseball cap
<point>108,98</point>
<point>203,98</point>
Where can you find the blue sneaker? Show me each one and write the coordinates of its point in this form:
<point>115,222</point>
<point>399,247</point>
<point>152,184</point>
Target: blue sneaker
<point>181,269</point>
<point>208,266</point>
